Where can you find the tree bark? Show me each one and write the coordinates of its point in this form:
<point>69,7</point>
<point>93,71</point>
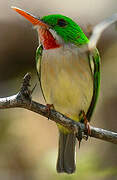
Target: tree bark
<point>23,100</point>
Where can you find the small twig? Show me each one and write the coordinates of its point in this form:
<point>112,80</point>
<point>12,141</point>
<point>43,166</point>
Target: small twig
<point>23,100</point>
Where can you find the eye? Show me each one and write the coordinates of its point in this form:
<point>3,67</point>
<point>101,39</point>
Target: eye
<point>61,22</point>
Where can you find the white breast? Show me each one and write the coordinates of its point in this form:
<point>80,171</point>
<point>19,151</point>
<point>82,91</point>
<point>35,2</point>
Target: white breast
<point>66,80</point>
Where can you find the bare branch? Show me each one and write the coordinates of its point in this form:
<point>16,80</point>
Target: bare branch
<point>23,100</point>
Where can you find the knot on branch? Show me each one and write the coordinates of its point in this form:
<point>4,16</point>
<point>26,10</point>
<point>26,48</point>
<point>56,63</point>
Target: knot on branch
<point>25,93</point>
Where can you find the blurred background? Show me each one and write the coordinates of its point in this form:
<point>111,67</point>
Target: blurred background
<point>28,142</point>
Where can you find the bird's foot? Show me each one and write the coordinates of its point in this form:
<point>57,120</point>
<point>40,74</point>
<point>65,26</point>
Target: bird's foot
<point>86,123</point>
<point>48,108</point>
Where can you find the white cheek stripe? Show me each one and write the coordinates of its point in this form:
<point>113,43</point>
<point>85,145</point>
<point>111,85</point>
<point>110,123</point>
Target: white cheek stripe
<point>57,37</point>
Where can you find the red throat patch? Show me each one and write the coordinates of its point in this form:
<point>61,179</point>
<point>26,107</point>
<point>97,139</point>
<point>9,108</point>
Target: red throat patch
<point>47,39</point>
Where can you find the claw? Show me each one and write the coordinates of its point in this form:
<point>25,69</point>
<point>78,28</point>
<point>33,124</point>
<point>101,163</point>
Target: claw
<point>87,125</point>
<point>48,108</point>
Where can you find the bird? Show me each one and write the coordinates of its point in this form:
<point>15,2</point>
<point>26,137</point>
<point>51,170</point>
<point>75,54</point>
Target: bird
<point>69,77</point>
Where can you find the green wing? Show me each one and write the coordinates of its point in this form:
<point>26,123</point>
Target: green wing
<point>39,52</point>
<point>38,60</point>
<point>94,60</point>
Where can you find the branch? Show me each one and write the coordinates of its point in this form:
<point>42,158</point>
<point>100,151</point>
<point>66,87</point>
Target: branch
<point>23,100</point>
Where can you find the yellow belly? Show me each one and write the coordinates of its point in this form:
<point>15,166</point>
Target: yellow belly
<point>66,81</point>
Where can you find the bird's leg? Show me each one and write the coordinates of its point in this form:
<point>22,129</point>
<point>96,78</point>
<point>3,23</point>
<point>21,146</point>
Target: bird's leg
<point>86,123</point>
<point>48,108</point>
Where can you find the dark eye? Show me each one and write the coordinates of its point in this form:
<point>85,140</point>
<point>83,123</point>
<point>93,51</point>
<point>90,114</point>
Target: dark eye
<point>61,22</point>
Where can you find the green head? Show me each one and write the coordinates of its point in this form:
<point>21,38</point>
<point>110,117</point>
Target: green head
<point>66,28</point>
<point>63,26</point>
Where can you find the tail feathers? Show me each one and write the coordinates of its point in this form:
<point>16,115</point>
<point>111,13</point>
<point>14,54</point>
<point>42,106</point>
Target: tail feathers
<point>66,153</point>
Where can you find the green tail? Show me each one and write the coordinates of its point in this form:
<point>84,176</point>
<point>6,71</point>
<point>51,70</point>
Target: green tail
<point>66,153</point>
